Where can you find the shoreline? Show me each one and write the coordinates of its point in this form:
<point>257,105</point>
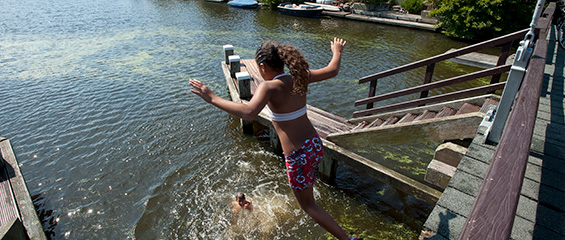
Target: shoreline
<point>386,17</point>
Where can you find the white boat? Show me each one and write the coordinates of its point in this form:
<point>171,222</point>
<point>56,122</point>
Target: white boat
<point>326,7</point>
<point>301,10</point>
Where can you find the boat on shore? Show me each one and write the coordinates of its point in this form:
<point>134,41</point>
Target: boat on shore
<point>250,4</point>
<point>302,10</point>
<point>326,7</point>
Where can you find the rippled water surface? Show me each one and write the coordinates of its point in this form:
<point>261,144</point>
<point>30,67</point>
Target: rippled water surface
<point>113,145</point>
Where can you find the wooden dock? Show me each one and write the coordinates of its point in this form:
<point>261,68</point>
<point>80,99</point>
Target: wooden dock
<point>478,202</point>
<point>18,218</point>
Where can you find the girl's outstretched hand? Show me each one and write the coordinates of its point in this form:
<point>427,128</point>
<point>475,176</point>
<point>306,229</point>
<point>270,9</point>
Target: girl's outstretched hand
<point>337,45</point>
<point>201,90</point>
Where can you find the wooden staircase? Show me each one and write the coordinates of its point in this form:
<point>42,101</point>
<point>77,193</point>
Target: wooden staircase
<point>412,117</point>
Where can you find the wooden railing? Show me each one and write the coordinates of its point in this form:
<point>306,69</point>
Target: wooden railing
<point>506,42</point>
<point>494,210</point>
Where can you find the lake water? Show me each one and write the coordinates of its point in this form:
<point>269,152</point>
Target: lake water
<point>113,145</point>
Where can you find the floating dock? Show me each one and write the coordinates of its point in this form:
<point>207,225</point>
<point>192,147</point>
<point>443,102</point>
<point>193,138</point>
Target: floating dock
<point>18,218</point>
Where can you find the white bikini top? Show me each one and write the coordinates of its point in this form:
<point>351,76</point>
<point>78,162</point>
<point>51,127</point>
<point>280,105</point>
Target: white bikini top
<point>281,117</point>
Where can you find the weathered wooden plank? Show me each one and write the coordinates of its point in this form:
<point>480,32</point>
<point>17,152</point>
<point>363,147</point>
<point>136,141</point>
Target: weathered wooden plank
<point>8,207</point>
<point>328,115</point>
<point>425,115</point>
<point>390,121</point>
<point>448,128</point>
<point>21,194</point>
<point>444,222</point>
<point>231,84</point>
<point>468,108</point>
<point>377,122</point>
<point>488,102</point>
<point>407,118</point>
<point>253,70</point>
<point>13,230</point>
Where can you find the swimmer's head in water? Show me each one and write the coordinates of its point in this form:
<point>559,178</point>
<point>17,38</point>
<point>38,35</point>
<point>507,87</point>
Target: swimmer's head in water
<point>240,197</point>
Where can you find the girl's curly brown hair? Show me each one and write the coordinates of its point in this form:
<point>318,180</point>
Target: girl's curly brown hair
<point>278,55</point>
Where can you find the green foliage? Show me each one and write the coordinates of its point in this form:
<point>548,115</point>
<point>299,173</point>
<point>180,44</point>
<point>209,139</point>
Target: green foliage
<point>483,19</point>
<point>374,1</point>
<point>413,6</point>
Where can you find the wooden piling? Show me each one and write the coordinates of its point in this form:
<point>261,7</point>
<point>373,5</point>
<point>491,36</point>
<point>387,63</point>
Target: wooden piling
<point>327,168</point>
<point>228,51</point>
<point>274,140</point>
<point>244,85</point>
<point>234,64</point>
<point>244,88</point>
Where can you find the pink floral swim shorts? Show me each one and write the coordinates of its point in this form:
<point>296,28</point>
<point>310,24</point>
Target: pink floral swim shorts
<point>301,164</point>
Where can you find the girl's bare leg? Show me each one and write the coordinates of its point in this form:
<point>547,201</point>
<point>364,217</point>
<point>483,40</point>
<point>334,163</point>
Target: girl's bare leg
<point>308,204</point>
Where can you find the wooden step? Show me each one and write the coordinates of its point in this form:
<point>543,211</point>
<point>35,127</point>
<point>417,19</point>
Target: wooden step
<point>425,115</point>
<point>468,108</point>
<point>488,102</point>
<point>446,111</point>
<point>360,125</point>
<point>390,121</point>
<point>376,123</point>
<point>407,118</point>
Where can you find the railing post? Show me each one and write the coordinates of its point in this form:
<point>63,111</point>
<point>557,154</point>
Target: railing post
<point>228,51</point>
<point>428,78</point>
<point>501,60</point>
<point>234,64</point>
<point>244,85</point>
<point>372,90</point>
<point>244,88</point>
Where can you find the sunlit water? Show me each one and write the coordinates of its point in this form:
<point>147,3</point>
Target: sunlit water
<point>96,103</point>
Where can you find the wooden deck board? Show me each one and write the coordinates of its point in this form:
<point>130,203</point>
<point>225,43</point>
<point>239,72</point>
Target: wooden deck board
<point>8,207</point>
<point>21,195</point>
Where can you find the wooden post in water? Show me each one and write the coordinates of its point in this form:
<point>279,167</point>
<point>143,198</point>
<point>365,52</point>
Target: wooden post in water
<point>244,88</point>
<point>228,51</point>
<point>328,165</point>
<point>234,64</point>
<point>274,140</point>
<point>244,85</point>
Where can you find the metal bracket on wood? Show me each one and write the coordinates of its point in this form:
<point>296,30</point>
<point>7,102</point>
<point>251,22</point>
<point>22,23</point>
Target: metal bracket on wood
<point>511,88</point>
<point>486,124</point>
<point>515,76</point>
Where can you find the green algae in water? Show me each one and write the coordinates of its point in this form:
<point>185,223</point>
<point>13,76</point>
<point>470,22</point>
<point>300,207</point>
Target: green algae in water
<point>405,153</point>
<point>387,228</point>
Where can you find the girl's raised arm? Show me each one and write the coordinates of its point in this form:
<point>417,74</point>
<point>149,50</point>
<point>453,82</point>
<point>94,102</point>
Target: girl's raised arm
<point>332,69</point>
<point>246,111</point>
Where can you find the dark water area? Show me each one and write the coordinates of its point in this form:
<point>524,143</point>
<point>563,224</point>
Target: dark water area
<point>113,145</point>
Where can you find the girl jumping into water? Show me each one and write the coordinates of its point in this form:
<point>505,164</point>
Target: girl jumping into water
<point>286,97</point>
